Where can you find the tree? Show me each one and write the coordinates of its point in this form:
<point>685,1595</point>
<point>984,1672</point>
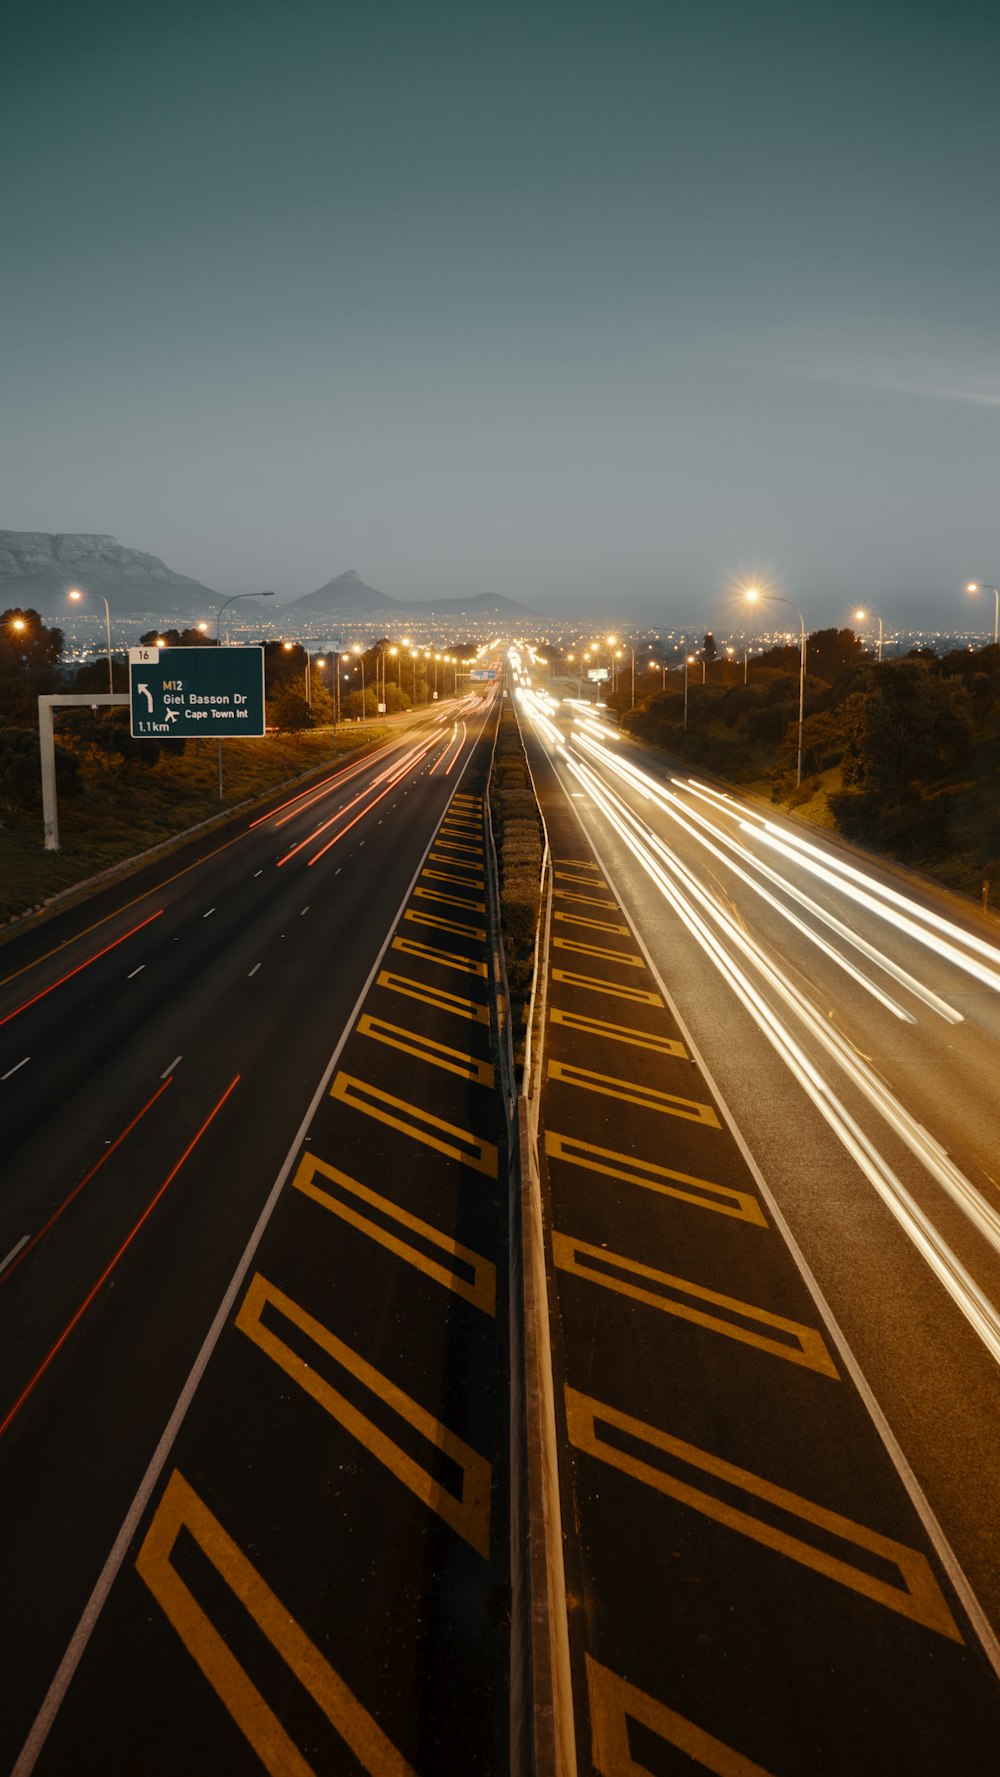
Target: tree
<point>289,710</point>
<point>21,772</point>
<point>106,737</point>
<point>830,651</point>
<point>321,698</point>
<point>29,665</point>
<point>27,646</point>
<point>178,638</point>
<point>93,675</point>
<point>907,729</point>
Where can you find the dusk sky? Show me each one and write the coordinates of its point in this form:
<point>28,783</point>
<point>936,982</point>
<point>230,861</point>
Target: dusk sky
<point>600,306</point>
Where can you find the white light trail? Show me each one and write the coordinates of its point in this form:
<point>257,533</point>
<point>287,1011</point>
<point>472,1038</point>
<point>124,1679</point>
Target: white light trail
<point>677,884</point>
<point>684,817</point>
<point>835,873</point>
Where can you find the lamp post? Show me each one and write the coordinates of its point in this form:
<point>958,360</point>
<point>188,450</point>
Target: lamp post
<point>974,586</point>
<point>415,654</point>
<point>753,597</point>
<point>76,595</point>
<point>688,658</point>
<point>861,616</point>
<point>218,632</point>
<point>232,601</point>
<point>359,651</point>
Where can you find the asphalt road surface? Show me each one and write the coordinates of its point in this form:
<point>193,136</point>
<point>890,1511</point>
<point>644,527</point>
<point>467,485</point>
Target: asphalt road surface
<point>769,1138</point>
<point>252,1315</point>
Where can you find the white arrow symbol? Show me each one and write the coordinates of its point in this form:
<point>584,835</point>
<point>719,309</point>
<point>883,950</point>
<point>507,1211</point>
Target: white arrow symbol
<point>147,694</point>
<point>171,715</point>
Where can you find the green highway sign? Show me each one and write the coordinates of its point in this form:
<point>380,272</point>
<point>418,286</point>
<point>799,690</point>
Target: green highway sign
<point>178,692</point>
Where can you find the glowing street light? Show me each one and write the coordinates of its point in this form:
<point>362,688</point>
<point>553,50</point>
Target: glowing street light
<point>974,586</point>
<point>862,616</point>
<point>689,660</point>
<point>76,595</point>
<point>753,596</point>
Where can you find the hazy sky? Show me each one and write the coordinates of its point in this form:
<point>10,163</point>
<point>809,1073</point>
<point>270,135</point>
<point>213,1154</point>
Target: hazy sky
<point>600,305</point>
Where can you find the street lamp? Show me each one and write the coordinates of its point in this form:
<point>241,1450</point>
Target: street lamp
<point>359,651</point>
<point>76,595</point>
<point>415,652</point>
<point>218,633</point>
<point>688,661</point>
<point>232,601</point>
<point>753,596</point>
<point>974,586</point>
<point>861,617</point>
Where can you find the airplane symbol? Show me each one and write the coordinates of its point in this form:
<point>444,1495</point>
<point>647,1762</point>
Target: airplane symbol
<point>171,715</point>
<point>147,694</point>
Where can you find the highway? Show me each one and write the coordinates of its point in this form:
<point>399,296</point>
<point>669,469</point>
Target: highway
<point>251,1252</point>
<point>770,1412</point>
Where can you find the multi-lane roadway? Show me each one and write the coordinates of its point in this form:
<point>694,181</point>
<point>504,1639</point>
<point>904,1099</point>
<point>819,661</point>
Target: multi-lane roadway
<point>254,1290</point>
<point>768,1132</point>
<point>252,1377</point>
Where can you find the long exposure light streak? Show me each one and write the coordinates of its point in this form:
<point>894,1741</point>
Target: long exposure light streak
<point>891,906</point>
<point>929,1152</point>
<point>691,903</point>
<point>758,888</point>
<point>697,827</point>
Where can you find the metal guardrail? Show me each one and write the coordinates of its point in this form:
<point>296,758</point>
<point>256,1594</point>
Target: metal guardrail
<point>542,1740</point>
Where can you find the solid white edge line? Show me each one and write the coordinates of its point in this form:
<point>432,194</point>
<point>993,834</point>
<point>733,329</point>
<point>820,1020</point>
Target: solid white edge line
<point>14,1252</point>
<point>170,1069</point>
<point>39,1731</point>
<point>942,1548</point>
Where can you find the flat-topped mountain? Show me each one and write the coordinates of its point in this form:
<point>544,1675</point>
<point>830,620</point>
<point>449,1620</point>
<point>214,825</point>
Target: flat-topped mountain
<point>41,566</point>
<point>38,568</point>
<point>347,595</point>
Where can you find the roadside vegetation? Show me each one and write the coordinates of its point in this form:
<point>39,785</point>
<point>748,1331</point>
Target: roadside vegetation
<point>517,831</point>
<point>902,756</point>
